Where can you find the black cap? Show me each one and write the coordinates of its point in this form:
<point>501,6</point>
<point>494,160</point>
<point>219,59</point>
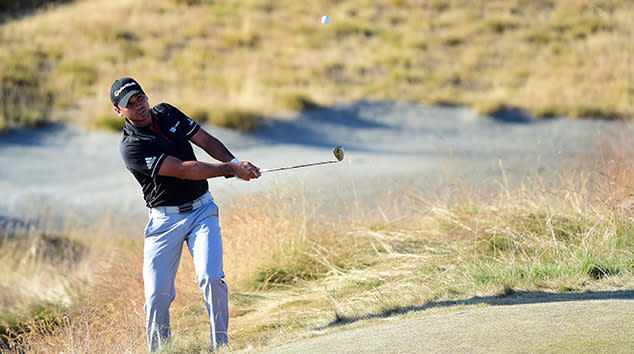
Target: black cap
<point>122,90</point>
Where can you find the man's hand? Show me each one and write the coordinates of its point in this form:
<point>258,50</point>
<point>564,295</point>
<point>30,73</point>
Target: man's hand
<point>245,170</point>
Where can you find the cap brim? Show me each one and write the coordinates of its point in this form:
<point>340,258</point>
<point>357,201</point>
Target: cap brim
<point>123,102</point>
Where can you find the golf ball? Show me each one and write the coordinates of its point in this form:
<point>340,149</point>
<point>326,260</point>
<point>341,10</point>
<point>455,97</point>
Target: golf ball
<point>325,19</point>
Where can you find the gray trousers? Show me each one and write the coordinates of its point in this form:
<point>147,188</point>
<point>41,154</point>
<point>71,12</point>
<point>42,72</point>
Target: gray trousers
<point>165,234</point>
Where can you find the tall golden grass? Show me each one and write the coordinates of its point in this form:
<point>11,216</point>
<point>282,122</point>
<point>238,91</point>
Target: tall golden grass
<point>291,269</point>
<point>552,58</point>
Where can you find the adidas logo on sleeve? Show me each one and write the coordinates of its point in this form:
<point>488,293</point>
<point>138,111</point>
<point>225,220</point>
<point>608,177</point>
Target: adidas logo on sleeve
<point>149,161</point>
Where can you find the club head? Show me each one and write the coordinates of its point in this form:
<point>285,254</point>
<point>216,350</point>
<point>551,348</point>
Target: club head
<point>338,152</point>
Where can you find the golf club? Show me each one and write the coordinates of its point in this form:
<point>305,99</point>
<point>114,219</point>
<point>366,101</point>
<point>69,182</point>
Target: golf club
<point>337,151</point>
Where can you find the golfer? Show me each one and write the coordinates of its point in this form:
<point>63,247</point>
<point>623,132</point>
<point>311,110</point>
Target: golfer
<point>157,151</point>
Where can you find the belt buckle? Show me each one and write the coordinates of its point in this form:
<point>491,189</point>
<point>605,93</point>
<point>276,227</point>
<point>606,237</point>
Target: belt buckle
<point>186,208</point>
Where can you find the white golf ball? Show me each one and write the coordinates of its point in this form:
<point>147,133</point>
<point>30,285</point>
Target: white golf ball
<point>325,19</point>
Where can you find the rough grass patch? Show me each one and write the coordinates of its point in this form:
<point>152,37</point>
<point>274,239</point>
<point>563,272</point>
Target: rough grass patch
<point>298,102</point>
<point>500,243</point>
<point>500,24</point>
<point>599,269</point>
<point>38,317</point>
<point>526,275</point>
<point>289,267</point>
<point>80,73</point>
<point>547,110</point>
<point>23,100</point>
<point>345,28</point>
<point>247,40</point>
<point>246,298</point>
<point>114,124</point>
<point>243,120</point>
<point>200,115</point>
<point>454,40</point>
<point>594,111</point>
<point>45,248</point>
<point>367,284</point>
<point>17,6</point>
<point>539,36</point>
<point>272,277</point>
<point>188,2</point>
<point>625,236</point>
<point>132,51</point>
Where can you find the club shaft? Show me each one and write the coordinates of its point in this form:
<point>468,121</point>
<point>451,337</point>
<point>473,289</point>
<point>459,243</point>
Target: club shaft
<point>297,166</point>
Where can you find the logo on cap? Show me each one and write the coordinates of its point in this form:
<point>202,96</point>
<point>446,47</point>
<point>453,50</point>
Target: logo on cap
<point>122,89</point>
<point>116,93</point>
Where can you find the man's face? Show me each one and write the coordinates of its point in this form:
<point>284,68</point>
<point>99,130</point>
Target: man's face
<point>137,110</point>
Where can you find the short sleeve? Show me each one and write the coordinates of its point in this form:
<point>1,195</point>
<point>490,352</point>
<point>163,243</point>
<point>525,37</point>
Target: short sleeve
<point>141,158</point>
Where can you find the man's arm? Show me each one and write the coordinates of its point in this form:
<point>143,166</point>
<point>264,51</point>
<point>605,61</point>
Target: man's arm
<point>212,146</point>
<point>216,149</point>
<point>198,170</point>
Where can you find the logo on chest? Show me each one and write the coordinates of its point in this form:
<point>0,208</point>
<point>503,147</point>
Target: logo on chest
<point>173,129</point>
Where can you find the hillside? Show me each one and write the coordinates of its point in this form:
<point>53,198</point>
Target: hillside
<point>231,61</point>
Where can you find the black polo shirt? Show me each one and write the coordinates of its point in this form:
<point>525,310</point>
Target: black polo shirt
<point>145,148</point>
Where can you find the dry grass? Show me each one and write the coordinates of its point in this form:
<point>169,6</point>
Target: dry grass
<point>290,270</point>
<point>565,57</point>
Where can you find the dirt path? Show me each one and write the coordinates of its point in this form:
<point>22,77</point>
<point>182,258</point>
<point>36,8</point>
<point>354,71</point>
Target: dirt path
<point>537,326</point>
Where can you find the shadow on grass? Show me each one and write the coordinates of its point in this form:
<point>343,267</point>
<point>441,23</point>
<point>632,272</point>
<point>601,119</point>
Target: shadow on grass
<point>321,127</point>
<point>12,227</point>
<point>508,297</point>
<point>18,9</point>
<point>37,136</point>
<point>512,115</point>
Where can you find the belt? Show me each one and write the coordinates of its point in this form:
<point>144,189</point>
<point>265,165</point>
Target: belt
<point>185,208</point>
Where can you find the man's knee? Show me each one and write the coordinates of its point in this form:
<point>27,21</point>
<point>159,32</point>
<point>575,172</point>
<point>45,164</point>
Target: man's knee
<point>216,283</point>
<point>159,302</point>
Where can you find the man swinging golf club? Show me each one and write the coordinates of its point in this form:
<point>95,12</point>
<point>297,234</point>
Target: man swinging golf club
<point>157,151</point>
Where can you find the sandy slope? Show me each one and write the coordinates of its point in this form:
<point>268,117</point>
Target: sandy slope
<point>74,176</point>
